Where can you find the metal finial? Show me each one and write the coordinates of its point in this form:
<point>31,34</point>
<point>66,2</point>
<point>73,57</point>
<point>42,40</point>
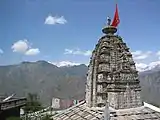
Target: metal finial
<point>108,21</point>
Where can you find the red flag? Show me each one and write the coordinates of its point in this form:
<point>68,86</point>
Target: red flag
<point>116,19</point>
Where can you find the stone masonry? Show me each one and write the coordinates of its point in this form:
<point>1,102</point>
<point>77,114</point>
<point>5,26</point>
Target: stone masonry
<point>112,75</point>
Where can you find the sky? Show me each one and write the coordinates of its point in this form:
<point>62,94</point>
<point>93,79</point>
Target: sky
<point>66,31</point>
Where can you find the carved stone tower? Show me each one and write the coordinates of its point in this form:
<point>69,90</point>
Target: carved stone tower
<point>112,75</point>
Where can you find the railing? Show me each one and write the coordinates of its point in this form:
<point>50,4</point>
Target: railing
<point>12,103</point>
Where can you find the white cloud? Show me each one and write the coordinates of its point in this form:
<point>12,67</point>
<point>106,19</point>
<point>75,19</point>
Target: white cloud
<point>88,53</point>
<point>78,52</point>
<point>20,46</point>
<point>158,53</point>
<point>24,47</point>
<point>68,51</point>
<point>64,63</point>
<point>138,52</point>
<point>32,51</point>
<point>140,55</point>
<point>50,20</point>
<point>1,51</point>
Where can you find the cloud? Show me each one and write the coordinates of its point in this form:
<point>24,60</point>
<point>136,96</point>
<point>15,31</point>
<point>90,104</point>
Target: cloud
<point>140,55</point>
<point>158,54</point>
<point>64,63</point>
<point>32,51</point>
<point>50,20</point>
<point>20,46</point>
<point>138,52</point>
<point>78,52</point>
<point>24,47</point>
<point>1,51</point>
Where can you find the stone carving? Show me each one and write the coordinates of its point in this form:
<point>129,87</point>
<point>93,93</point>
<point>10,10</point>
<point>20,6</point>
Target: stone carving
<point>112,74</point>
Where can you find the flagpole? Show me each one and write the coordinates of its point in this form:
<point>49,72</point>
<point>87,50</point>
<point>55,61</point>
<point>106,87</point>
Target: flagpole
<point>118,30</point>
<point>118,25</point>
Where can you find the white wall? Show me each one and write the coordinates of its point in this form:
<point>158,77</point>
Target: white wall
<point>55,103</point>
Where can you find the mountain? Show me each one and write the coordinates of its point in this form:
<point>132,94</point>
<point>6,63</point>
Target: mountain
<point>67,82</point>
<point>150,83</point>
<point>45,79</point>
<point>141,67</point>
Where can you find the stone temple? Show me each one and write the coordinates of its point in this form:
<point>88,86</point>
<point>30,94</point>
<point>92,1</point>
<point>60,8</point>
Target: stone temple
<point>112,88</point>
<point>112,74</point>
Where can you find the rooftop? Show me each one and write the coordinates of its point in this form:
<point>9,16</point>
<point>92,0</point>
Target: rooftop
<point>11,103</point>
<point>82,112</point>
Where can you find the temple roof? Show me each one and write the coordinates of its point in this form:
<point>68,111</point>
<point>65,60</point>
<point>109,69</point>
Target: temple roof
<point>82,112</point>
<point>79,112</point>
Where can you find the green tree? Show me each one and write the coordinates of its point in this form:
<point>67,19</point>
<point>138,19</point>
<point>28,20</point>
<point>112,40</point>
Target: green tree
<point>32,104</point>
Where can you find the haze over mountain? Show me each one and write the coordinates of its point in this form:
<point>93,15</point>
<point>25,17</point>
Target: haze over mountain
<point>67,82</point>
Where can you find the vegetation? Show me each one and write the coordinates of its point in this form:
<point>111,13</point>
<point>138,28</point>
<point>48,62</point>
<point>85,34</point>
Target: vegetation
<point>32,104</point>
<point>13,118</point>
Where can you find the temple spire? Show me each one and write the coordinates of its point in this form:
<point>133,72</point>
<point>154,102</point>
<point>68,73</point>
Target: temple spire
<point>112,75</point>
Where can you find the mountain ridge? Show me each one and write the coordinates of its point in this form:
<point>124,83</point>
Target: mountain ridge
<point>141,67</point>
<point>67,82</point>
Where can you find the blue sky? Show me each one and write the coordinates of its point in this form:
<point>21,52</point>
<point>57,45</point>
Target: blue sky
<point>67,30</point>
